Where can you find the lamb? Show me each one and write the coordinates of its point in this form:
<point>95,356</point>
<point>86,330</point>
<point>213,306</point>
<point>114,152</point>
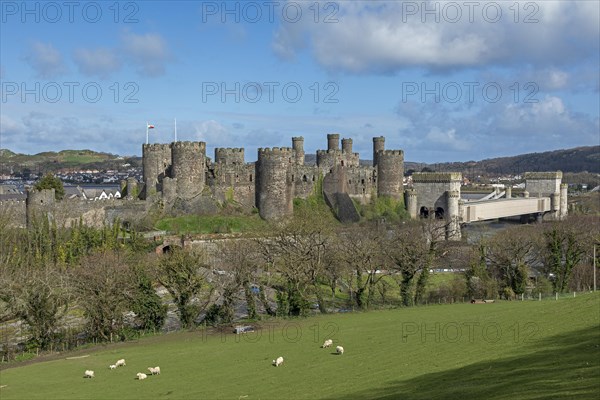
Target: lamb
<point>339,350</point>
<point>278,362</point>
<point>88,374</point>
<point>327,343</point>
<point>154,371</point>
<point>112,366</point>
<point>120,363</point>
<point>141,376</point>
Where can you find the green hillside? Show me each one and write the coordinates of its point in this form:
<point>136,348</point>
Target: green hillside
<point>505,350</point>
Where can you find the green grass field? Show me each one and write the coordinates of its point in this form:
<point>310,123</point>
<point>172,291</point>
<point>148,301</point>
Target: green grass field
<point>505,350</point>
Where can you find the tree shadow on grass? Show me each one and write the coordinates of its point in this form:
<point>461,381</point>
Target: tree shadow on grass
<point>560,367</point>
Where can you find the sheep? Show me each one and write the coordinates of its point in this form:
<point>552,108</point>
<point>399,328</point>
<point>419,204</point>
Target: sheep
<point>327,343</point>
<point>141,376</point>
<point>120,363</point>
<point>154,371</point>
<point>278,362</point>
<point>88,374</point>
<point>339,350</point>
<point>112,366</point>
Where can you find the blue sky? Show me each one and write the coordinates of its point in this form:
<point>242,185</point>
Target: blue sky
<point>444,81</point>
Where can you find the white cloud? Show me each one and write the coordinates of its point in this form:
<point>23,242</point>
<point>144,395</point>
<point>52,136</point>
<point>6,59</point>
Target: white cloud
<point>99,62</point>
<point>46,60</point>
<point>147,52</point>
<point>386,36</point>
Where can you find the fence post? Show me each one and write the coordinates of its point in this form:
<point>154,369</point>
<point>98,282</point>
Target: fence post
<point>522,294</point>
<point>574,294</point>
<point>556,295</point>
<point>540,296</point>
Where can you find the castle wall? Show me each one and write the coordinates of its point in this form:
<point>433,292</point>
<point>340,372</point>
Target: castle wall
<point>234,182</point>
<point>188,167</point>
<point>14,212</point>
<point>273,182</point>
<point>304,179</point>
<point>360,183</point>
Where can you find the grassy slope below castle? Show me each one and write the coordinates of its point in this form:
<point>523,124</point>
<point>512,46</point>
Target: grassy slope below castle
<point>506,350</point>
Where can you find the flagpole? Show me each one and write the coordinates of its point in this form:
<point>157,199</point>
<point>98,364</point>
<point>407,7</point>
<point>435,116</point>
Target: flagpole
<point>175,129</point>
<point>146,132</point>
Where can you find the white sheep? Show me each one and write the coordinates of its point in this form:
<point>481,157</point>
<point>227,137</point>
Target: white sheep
<point>327,343</point>
<point>112,366</point>
<point>141,376</point>
<point>154,371</point>
<point>88,374</point>
<point>278,362</point>
<point>339,350</point>
<point>120,363</point>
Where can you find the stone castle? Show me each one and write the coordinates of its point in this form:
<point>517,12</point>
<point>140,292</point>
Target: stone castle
<point>180,174</point>
<point>181,179</point>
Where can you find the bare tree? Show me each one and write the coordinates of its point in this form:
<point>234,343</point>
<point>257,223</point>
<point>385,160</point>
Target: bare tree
<point>359,248</point>
<point>104,287</point>
<point>409,247</point>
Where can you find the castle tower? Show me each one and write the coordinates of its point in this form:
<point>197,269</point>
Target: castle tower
<point>390,172</point>
<point>229,156</point>
<point>431,189</point>
<point>273,183</point>
<point>411,203</point>
<point>563,201</point>
<point>156,160</point>
<point>347,146</point>
<point>453,215</point>
<point>298,147</point>
<point>378,145</point>
<point>333,141</point>
<point>188,167</point>
<point>131,189</point>
<point>39,203</point>
<point>555,205</point>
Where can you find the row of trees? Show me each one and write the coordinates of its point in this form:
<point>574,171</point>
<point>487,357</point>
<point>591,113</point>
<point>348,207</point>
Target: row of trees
<point>47,273</point>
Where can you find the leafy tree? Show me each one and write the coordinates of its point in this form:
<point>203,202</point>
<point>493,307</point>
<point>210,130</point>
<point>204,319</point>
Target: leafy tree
<point>565,244</point>
<point>179,272</point>
<point>39,297</point>
<point>510,254</point>
<point>49,181</point>
<point>146,303</point>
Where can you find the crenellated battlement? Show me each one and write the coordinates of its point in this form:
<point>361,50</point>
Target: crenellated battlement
<point>155,147</point>
<point>392,153</point>
<point>274,150</point>
<point>442,177</point>
<point>229,156</point>
<point>543,175</point>
<point>201,146</point>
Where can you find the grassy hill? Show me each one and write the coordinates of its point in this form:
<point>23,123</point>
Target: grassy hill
<point>51,161</point>
<point>505,350</point>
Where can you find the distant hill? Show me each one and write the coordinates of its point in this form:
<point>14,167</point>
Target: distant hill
<point>51,161</point>
<point>578,159</point>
